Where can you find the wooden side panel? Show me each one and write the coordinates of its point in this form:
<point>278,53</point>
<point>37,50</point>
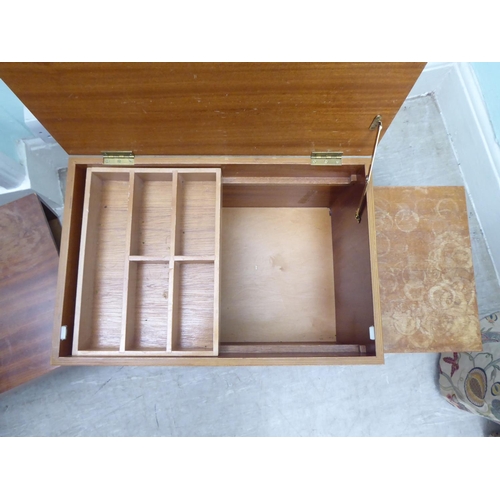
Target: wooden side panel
<point>254,195</point>
<point>64,314</point>
<point>28,276</point>
<point>352,270</point>
<point>425,267</point>
<point>290,348</point>
<point>88,260</point>
<point>146,359</point>
<point>212,108</point>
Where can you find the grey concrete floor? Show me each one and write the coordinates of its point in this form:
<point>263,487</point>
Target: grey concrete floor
<point>400,398</point>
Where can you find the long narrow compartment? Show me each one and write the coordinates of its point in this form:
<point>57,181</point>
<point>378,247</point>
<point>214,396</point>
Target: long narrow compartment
<point>98,318</point>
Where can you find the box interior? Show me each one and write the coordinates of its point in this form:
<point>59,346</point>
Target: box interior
<point>294,263</point>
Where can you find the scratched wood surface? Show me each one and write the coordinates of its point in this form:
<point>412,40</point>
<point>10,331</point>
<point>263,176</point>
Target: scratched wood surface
<point>212,108</point>
<point>28,277</point>
<point>427,289</point>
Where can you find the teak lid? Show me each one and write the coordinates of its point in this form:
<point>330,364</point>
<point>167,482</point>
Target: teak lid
<point>212,108</point>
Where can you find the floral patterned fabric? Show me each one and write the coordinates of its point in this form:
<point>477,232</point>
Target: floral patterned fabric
<point>470,381</point>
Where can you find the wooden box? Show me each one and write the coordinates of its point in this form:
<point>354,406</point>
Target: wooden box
<point>223,242</point>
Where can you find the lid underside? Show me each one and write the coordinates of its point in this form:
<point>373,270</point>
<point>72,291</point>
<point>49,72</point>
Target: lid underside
<point>212,108</point>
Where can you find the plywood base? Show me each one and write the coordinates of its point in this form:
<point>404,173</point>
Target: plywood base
<point>277,275</point>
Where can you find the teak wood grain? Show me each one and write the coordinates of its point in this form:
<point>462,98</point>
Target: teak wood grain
<point>427,292</point>
<point>212,108</point>
<point>28,276</point>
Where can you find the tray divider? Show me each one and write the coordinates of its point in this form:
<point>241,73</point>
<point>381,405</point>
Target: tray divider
<point>87,264</point>
<point>173,278</point>
<point>130,269</point>
<point>218,218</point>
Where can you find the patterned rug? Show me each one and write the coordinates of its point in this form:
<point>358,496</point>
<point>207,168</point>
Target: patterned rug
<point>470,381</point>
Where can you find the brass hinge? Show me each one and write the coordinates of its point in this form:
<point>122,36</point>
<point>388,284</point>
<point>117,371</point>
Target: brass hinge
<point>326,159</point>
<point>118,157</point>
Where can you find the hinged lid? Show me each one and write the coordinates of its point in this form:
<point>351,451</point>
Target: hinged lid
<point>212,108</point>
